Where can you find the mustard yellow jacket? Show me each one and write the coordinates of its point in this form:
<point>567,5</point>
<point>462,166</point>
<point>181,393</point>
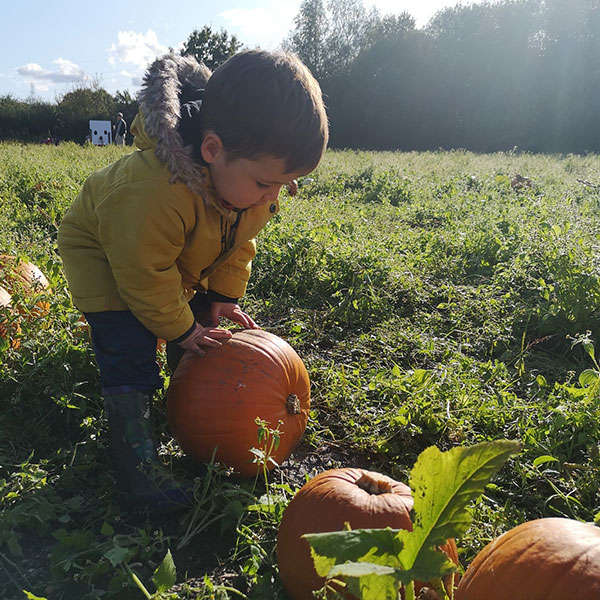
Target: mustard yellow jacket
<point>148,230</point>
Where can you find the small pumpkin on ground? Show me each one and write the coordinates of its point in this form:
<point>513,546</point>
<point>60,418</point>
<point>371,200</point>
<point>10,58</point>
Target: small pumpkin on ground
<point>545,559</point>
<point>364,499</point>
<point>214,400</point>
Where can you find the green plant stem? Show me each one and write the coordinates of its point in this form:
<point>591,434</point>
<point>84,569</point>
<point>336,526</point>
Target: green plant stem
<point>440,588</point>
<point>233,591</point>
<point>12,579</point>
<point>137,581</point>
<point>191,533</point>
<point>409,591</point>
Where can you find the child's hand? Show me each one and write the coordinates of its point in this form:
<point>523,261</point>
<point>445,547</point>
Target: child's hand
<point>233,312</point>
<point>202,337</point>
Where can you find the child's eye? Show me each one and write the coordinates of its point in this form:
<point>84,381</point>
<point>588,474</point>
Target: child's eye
<point>261,185</point>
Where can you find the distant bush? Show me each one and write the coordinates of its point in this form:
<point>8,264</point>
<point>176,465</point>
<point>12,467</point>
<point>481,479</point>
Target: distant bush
<point>27,121</point>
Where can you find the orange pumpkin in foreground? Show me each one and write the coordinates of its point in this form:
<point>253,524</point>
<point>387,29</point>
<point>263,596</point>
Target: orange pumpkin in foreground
<point>364,499</point>
<point>545,559</point>
<point>213,400</point>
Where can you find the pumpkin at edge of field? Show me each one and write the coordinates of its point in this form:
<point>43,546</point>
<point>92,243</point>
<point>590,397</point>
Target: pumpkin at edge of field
<point>18,272</point>
<point>551,558</point>
<point>9,331</point>
<point>213,401</point>
<point>365,499</point>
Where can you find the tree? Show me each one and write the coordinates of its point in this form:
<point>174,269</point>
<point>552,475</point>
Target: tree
<point>382,103</point>
<point>26,120</point>
<point>210,47</point>
<point>329,36</point>
<point>349,27</point>
<point>78,106</point>
<point>389,26</point>
<point>308,39</point>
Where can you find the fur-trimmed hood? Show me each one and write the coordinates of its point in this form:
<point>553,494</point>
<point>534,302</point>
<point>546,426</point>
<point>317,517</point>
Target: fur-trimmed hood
<point>160,112</point>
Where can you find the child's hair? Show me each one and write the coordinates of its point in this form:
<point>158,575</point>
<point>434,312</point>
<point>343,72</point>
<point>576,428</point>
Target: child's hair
<point>267,104</point>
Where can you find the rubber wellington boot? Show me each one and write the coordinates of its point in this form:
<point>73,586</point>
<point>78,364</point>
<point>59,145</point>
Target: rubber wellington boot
<point>139,470</point>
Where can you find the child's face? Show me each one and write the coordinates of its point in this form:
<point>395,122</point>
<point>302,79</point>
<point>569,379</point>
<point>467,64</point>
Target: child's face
<point>242,182</point>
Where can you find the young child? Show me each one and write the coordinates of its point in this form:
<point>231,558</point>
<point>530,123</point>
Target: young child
<point>167,232</point>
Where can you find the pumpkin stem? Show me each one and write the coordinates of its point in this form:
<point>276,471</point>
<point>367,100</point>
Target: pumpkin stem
<point>292,404</point>
<point>373,486</point>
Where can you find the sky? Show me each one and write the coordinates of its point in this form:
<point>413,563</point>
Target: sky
<point>49,48</point>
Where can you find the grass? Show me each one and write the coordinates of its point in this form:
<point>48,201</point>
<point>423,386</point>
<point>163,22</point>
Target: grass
<point>432,304</point>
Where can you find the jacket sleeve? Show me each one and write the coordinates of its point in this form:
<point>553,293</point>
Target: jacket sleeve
<point>231,278</point>
<point>142,242</point>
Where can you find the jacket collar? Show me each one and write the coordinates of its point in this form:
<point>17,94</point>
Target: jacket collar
<point>160,113</point>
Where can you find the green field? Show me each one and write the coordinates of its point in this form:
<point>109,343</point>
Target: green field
<point>432,304</point>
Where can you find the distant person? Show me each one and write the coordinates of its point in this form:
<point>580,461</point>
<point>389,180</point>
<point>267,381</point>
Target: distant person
<point>120,130</point>
<point>160,243</point>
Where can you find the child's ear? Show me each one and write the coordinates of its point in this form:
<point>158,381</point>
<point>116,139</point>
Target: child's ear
<point>211,146</point>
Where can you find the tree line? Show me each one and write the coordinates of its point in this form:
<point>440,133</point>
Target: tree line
<point>484,77</point>
<point>34,120</point>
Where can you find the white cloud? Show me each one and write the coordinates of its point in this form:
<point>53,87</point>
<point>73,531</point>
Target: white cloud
<point>264,26</point>
<point>67,72</point>
<point>136,80</point>
<point>138,49</point>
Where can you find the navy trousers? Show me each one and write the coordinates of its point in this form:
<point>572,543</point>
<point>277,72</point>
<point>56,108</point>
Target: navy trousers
<point>126,351</point>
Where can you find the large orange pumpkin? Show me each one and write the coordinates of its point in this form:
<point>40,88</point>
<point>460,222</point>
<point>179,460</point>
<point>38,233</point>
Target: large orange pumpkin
<point>214,400</point>
<point>545,559</point>
<point>364,499</point>
<point>8,330</point>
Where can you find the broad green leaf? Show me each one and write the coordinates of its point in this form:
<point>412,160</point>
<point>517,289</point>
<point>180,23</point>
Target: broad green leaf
<point>165,575</point>
<point>444,484</point>
<point>588,377</point>
<point>544,459</point>
<point>107,529</point>
<point>588,347</point>
<point>431,563</point>
<point>31,596</point>
<point>360,569</point>
<point>14,546</point>
<point>116,555</point>
<point>362,574</point>
<point>368,581</point>
<point>379,546</point>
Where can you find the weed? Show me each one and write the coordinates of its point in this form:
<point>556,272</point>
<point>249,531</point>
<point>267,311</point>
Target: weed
<point>432,305</point>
